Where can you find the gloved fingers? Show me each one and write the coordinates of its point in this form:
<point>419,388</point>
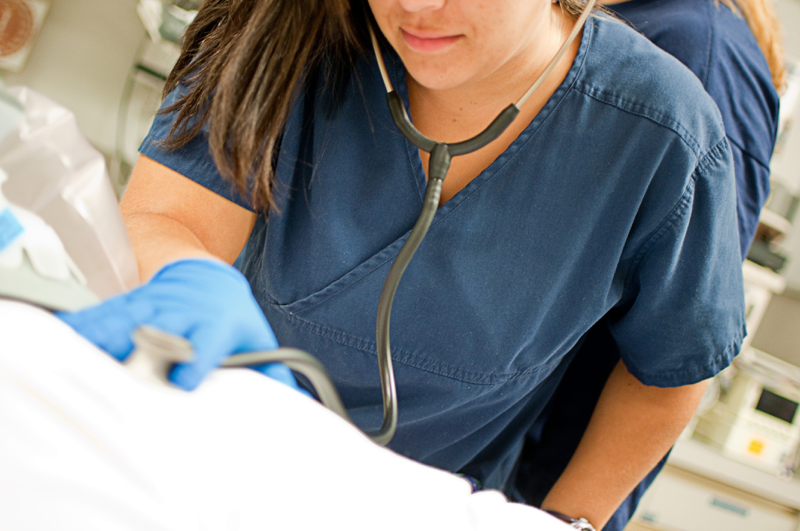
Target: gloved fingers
<point>259,337</point>
<point>109,325</point>
<point>205,301</point>
<point>210,348</point>
<point>173,321</point>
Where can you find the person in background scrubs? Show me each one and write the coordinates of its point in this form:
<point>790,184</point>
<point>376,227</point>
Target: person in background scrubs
<point>610,199</point>
<point>734,49</point>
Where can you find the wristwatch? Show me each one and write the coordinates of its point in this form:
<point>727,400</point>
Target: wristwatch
<point>575,523</point>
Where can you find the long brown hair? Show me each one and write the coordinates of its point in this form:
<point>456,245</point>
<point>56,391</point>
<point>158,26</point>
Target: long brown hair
<point>242,63</point>
<point>760,16</point>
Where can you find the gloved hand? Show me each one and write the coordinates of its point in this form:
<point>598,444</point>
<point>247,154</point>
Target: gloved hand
<point>206,301</point>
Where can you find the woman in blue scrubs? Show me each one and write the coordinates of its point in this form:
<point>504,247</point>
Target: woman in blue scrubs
<point>610,197</point>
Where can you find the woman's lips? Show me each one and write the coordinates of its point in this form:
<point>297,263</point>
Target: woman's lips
<point>428,44</point>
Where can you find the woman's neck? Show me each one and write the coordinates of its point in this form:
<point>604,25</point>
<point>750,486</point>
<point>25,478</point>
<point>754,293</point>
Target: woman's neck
<point>461,112</point>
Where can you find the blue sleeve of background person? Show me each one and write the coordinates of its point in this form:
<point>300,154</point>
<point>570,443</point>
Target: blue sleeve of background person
<point>740,83</point>
<point>752,189</point>
<point>718,46</point>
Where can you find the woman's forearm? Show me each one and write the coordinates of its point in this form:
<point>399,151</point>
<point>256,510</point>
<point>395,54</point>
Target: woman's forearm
<point>632,428</point>
<point>158,240</point>
<point>170,217</point>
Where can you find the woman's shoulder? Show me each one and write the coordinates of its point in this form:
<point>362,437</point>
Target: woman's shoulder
<point>624,70</point>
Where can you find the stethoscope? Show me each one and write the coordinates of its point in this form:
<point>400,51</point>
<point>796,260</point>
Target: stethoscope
<point>441,153</point>
<point>155,351</point>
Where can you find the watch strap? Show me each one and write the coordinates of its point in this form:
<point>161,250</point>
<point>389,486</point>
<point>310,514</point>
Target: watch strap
<point>575,523</point>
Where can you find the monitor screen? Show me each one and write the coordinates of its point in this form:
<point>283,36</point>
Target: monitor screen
<point>777,406</point>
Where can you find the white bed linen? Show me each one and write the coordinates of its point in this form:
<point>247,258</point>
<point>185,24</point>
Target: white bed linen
<point>86,445</point>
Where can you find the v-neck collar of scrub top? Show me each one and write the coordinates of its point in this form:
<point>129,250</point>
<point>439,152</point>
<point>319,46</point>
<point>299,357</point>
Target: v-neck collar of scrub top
<point>397,74</point>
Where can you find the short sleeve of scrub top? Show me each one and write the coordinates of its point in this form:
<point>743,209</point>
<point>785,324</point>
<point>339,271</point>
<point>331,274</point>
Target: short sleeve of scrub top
<point>616,201</point>
<point>194,160</point>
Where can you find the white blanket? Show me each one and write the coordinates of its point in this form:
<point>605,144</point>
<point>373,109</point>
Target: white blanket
<point>86,445</point>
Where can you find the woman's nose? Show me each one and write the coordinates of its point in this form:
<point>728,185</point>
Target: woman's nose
<point>421,5</point>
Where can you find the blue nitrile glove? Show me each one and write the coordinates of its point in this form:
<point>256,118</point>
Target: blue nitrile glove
<point>206,301</point>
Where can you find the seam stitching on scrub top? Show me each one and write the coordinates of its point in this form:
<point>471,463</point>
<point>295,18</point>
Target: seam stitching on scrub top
<point>332,289</point>
<point>643,111</point>
<point>413,360</point>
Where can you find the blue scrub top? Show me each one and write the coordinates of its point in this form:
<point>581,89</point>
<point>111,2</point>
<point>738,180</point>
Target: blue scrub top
<point>616,200</point>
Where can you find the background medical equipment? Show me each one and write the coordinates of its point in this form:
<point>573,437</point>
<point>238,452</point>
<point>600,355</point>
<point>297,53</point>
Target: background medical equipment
<point>686,501</point>
<point>164,21</point>
<point>167,19</point>
<point>33,262</point>
<point>34,265</point>
<point>22,20</point>
<point>54,172</point>
<point>756,419</point>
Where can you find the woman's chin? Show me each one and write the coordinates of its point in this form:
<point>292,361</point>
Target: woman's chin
<point>433,78</point>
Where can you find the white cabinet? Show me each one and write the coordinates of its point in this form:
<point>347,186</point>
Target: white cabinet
<point>682,501</point>
<point>701,490</point>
